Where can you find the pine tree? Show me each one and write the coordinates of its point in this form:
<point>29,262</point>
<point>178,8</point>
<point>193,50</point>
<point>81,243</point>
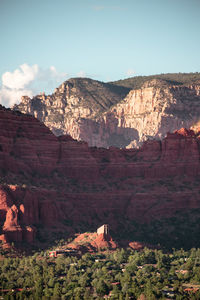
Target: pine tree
<point>57,291</point>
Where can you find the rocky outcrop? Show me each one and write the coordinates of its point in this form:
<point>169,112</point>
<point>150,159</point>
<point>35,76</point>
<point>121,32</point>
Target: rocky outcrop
<point>15,222</point>
<point>52,184</point>
<point>92,242</point>
<point>105,115</point>
<point>72,102</point>
<point>147,113</point>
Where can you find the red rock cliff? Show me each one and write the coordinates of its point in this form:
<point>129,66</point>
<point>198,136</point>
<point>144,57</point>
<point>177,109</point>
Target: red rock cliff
<point>57,183</point>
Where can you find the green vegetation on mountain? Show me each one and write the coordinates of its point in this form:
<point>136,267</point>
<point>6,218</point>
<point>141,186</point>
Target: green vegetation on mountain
<point>169,78</point>
<point>95,94</point>
<point>85,92</point>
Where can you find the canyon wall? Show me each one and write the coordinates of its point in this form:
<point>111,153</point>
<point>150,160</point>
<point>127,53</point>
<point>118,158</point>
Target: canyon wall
<point>51,184</point>
<point>104,116</point>
<point>72,102</point>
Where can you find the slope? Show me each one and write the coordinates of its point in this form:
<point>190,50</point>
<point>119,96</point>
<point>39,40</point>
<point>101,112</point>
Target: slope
<point>107,115</point>
<point>55,186</point>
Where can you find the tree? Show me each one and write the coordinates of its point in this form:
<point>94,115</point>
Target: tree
<point>78,293</point>
<point>87,295</point>
<point>121,296</point>
<point>47,292</point>
<point>102,288</point>
<point>39,288</point>
<point>84,280</point>
<point>51,282</point>
<point>57,291</point>
<point>149,291</point>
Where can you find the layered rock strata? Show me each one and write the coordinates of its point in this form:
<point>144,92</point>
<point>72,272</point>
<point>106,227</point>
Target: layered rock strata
<point>72,102</point>
<point>56,183</point>
<point>104,116</point>
<point>146,113</point>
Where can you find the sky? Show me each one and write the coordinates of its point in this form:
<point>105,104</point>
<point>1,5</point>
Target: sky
<point>45,42</point>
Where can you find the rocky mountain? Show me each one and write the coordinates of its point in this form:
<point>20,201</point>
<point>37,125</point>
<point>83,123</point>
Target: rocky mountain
<point>150,112</point>
<point>120,114</point>
<point>74,101</point>
<point>55,186</point>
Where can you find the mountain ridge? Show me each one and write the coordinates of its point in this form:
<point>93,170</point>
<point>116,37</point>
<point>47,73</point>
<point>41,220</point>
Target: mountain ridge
<point>107,115</point>
<point>136,82</point>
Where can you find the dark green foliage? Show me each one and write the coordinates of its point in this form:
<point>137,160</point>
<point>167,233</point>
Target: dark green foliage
<point>123,274</point>
<point>169,79</point>
<point>97,95</point>
<point>101,288</point>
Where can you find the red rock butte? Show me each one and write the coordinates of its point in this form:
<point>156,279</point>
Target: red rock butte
<point>93,241</point>
<point>55,184</point>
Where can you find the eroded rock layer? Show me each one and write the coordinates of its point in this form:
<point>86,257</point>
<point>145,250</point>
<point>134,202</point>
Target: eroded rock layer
<point>106,115</point>
<point>74,101</point>
<point>51,184</point>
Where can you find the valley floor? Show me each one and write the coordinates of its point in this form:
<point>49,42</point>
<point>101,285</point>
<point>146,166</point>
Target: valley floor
<point>119,274</point>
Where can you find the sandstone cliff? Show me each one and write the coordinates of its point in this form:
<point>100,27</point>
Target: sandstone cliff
<point>55,184</point>
<point>105,115</point>
<point>149,112</point>
<point>72,102</point>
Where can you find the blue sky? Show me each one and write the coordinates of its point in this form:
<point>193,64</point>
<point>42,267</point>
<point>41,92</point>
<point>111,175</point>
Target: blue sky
<point>44,42</point>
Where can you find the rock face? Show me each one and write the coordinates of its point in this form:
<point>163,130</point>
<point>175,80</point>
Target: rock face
<point>15,224</point>
<point>73,102</point>
<point>149,112</point>
<point>105,115</point>
<point>52,184</point>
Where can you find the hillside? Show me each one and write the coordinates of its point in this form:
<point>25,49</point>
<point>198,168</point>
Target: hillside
<point>167,79</point>
<point>107,115</point>
<point>74,100</point>
<point>55,186</point>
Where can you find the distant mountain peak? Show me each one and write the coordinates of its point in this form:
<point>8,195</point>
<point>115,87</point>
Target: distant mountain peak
<point>113,114</point>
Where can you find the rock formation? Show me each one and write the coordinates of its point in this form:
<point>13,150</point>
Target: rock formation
<point>73,102</point>
<point>52,184</point>
<point>107,115</point>
<point>92,242</point>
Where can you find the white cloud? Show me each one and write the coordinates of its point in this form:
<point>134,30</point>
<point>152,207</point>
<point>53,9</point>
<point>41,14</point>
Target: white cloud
<point>20,77</point>
<point>130,72</point>
<point>81,74</point>
<point>28,80</point>
<point>9,97</point>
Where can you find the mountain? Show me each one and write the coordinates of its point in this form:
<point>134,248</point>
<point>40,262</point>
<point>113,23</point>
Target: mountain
<point>73,101</point>
<point>137,82</point>
<point>120,114</point>
<point>150,112</point>
<point>53,187</point>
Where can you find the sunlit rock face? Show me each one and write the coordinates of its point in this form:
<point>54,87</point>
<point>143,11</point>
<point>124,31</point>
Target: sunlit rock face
<point>105,115</point>
<point>55,184</point>
<point>146,113</point>
<point>72,104</point>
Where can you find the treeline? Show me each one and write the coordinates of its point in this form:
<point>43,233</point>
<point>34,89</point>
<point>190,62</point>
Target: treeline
<point>123,274</point>
<point>169,78</point>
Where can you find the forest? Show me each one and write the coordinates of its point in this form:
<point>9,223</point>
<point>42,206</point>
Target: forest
<point>120,274</point>
<point>136,82</point>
